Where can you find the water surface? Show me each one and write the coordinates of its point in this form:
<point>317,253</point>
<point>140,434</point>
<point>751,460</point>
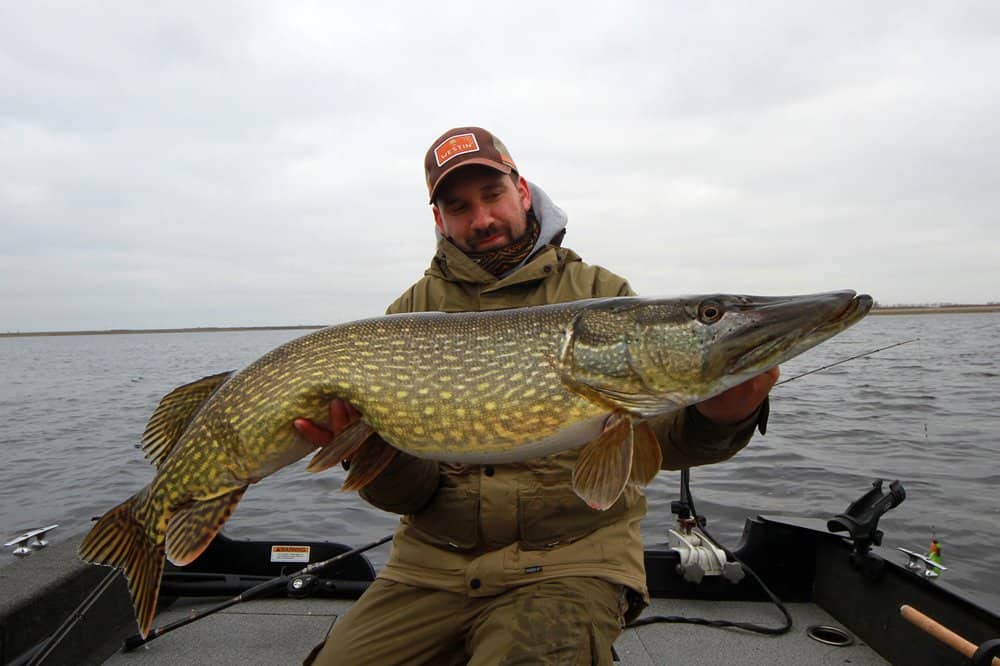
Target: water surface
<point>72,410</point>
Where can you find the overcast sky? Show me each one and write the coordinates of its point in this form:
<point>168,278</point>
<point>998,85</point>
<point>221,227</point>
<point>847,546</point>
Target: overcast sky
<point>260,163</point>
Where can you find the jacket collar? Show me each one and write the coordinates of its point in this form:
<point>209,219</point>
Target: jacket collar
<point>453,265</point>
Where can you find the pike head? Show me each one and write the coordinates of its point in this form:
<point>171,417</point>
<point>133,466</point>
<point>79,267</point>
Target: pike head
<point>651,356</point>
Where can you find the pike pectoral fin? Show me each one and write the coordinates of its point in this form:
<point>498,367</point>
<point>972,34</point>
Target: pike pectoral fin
<point>117,540</point>
<point>193,527</point>
<point>368,463</point>
<point>175,411</point>
<point>603,467</point>
<point>647,457</point>
<point>343,447</point>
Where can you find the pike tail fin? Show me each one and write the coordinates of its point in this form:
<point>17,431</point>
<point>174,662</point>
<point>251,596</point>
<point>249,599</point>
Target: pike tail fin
<point>119,541</point>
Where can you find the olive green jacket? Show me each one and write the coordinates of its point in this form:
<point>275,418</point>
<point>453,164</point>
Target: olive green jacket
<point>481,529</point>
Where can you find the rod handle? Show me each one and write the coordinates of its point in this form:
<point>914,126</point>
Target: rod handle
<point>940,632</point>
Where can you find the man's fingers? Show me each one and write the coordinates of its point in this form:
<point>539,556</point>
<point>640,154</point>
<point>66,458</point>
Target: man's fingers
<point>314,433</point>
<point>766,380</point>
<point>758,387</point>
<point>738,402</point>
<point>342,414</point>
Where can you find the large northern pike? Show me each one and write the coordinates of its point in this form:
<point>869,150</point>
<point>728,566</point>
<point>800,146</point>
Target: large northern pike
<point>487,387</point>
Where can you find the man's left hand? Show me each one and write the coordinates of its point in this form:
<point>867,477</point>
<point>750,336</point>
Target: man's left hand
<point>739,402</point>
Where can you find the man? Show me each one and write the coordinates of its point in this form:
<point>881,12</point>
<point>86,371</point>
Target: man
<point>504,563</point>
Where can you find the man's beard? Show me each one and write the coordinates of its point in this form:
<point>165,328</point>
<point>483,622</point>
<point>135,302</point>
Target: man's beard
<point>504,259</point>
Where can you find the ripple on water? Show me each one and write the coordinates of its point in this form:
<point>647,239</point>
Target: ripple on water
<point>924,413</point>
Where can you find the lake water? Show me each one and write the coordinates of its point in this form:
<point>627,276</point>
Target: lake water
<point>72,410</point>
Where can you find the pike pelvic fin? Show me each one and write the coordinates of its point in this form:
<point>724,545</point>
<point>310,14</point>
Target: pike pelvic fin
<point>192,528</point>
<point>604,465</point>
<point>174,413</point>
<point>117,540</point>
<point>368,462</point>
<point>647,457</point>
<point>343,447</point>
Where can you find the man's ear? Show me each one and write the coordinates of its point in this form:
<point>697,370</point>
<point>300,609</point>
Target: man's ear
<point>524,191</point>
<point>437,219</point>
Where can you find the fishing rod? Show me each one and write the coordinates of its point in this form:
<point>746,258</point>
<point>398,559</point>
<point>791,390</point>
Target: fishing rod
<point>42,652</point>
<point>830,365</point>
<point>136,640</point>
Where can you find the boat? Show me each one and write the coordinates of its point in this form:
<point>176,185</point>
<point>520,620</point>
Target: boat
<point>794,591</point>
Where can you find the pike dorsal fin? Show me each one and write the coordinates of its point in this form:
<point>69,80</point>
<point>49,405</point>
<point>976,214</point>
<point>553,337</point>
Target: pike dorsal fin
<point>174,413</point>
<point>604,465</point>
<point>191,529</point>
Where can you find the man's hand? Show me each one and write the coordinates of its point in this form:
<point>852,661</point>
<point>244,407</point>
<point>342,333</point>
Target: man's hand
<point>341,416</point>
<point>739,402</point>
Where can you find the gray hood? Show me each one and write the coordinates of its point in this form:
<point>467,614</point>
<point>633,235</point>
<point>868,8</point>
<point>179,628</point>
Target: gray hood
<point>551,217</point>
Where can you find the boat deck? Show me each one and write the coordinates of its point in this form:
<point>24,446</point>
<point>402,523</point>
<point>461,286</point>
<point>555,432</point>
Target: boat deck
<point>53,595</point>
<point>275,631</point>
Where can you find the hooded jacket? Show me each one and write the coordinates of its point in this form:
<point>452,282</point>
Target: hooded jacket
<point>481,529</point>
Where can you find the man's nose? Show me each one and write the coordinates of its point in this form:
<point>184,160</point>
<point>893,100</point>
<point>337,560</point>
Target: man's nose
<point>481,217</point>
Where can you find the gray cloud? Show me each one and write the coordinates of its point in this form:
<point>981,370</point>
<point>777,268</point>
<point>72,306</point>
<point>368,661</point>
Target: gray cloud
<point>238,164</point>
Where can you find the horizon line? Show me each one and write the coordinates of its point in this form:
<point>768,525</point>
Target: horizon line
<point>877,309</point>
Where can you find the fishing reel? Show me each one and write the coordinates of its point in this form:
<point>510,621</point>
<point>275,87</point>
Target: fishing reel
<point>699,555</point>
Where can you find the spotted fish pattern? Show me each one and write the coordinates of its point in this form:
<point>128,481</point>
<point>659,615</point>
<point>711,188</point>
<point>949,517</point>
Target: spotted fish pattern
<point>488,387</point>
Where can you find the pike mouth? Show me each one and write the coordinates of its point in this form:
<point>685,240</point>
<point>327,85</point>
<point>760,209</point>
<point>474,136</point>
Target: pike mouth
<point>783,345</point>
<point>852,312</point>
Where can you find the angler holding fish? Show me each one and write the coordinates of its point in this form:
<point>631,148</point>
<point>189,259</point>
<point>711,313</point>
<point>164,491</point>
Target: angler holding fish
<point>499,561</point>
<point>512,434</point>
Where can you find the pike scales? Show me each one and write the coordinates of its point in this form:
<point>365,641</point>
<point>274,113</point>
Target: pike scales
<point>456,387</point>
<point>467,387</point>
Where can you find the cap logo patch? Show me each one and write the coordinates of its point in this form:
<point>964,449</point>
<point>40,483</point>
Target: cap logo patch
<point>454,146</point>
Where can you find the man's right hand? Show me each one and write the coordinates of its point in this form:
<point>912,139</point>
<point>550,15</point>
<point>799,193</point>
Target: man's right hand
<point>342,415</point>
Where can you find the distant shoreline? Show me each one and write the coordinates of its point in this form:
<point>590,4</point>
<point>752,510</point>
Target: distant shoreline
<point>891,310</point>
<point>940,309</point>
<point>138,331</point>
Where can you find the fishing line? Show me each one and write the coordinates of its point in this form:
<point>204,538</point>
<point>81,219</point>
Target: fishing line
<point>830,365</point>
<point>687,498</point>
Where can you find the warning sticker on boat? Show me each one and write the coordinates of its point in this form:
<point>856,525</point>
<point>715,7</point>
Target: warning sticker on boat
<point>297,554</point>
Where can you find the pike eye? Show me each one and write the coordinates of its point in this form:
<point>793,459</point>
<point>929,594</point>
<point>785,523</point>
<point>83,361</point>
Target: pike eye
<point>709,312</point>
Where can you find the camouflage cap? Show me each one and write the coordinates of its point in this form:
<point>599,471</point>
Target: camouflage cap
<point>460,147</point>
